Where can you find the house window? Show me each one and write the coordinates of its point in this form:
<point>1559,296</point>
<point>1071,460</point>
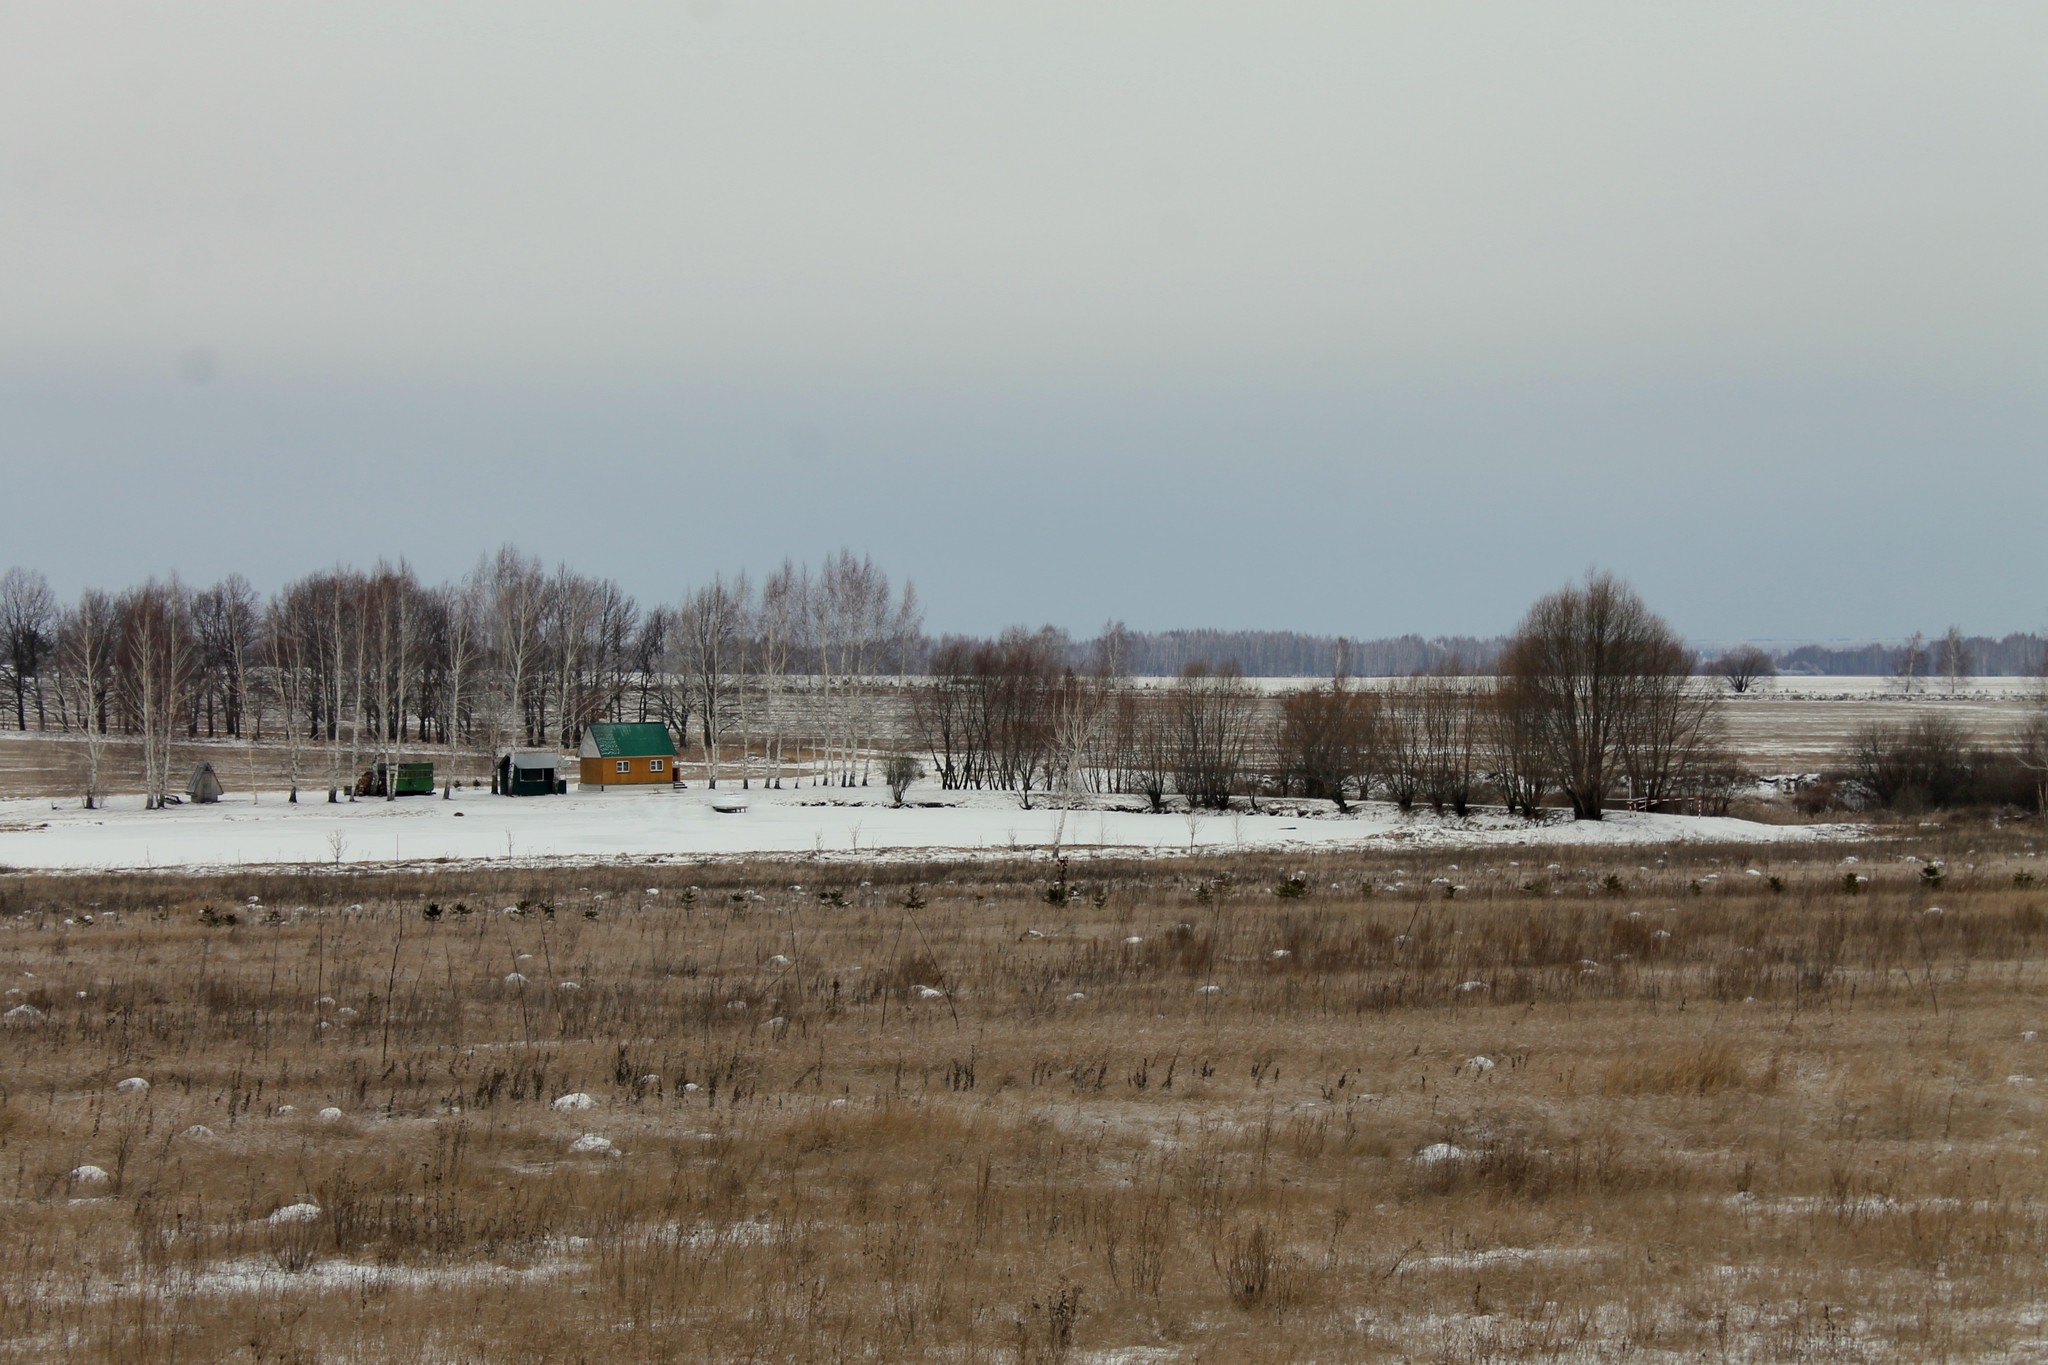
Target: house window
<point>625,765</point>
<point>655,765</point>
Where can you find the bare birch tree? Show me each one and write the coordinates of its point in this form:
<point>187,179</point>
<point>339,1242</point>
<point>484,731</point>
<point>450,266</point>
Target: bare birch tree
<point>1910,664</point>
<point>518,599</point>
<point>1954,659</point>
<point>285,639</point>
<point>91,640</point>
<point>712,619</point>
<point>157,656</point>
<point>464,604</point>
<point>777,627</point>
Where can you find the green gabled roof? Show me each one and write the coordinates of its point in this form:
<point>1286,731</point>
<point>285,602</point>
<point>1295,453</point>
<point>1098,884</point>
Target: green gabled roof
<point>639,739</point>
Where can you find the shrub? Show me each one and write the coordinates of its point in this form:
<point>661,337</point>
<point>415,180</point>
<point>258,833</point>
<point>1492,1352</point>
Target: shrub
<point>1913,766</point>
<point>899,772</point>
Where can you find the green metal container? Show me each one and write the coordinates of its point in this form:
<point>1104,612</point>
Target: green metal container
<point>414,779</point>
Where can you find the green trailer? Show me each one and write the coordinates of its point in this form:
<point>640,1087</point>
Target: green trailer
<point>414,779</point>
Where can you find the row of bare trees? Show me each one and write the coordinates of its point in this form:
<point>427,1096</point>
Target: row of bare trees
<point>1595,698</point>
<point>795,673</point>
<point>344,666</point>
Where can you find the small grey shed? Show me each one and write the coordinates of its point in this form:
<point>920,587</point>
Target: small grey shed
<point>204,788</point>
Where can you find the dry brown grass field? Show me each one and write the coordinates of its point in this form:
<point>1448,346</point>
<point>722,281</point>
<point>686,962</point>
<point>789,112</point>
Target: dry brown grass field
<point>1708,1104</point>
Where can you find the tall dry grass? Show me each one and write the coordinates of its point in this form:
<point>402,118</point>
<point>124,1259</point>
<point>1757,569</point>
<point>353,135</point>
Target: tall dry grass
<point>1447,1106</point>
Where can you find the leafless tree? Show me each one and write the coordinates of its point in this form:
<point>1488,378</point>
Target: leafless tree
<point>1078,715</point>
<point>903,644</point>
<point>1213,712</point>
<point>658,656</point>
<point>330,604</point>
<point>357,646</point>
<point>1400,757</point>
<point>518,603</point>
<point>1322,738</point>
<point>1515,752</point>
<point>1448,728</point>
<point>1910,664</point>
<point>1146,719</point>
<point>91,640</point>
<point>1924,762</point>
<point>1588,661</point>
<point>713,618</point>
<point>827,624</point>
<point>1743,667</point>
<point>777,627</point>
<point>567,626</point>
<point>28,617</point>
<point>2033,748</point>
<point>466,633</point>
<point>224,622</point>
<point>285,639</point>
<point>940,709</point>
<point>393,610</point>
<point>618,627</point>
<point>860,632</point>
<point>1954,659</point>
<point>1670,742</point>
<point>989,710</point>
<point>157,658</point>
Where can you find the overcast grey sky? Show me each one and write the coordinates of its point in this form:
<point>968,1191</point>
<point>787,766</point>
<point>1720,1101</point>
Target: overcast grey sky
<point>1350,317</point>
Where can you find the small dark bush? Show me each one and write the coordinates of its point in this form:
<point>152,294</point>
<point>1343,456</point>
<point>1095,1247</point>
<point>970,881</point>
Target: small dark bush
<point>899,772</point>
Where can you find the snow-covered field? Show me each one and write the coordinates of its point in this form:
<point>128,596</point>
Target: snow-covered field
<point>680,826</point>
<point>1790,686</point>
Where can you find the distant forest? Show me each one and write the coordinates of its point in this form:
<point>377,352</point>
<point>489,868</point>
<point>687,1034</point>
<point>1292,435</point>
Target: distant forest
<point>2009,656</point>
<point>1293,654</point>
<point>1290,654</point>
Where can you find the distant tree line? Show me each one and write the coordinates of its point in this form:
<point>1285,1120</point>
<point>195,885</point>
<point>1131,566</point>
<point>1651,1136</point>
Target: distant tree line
<point>2008,656</point>
<point>1932,661</point>
<point>346,666</point>
<point>1593,699</point>
<point>1284,653</point>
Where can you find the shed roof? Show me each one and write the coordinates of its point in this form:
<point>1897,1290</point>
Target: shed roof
<point>636,739</point>
<point>528,760</point>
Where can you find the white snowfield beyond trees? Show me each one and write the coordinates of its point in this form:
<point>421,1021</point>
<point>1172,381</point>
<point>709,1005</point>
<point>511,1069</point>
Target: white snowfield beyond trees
<point>680,826</point>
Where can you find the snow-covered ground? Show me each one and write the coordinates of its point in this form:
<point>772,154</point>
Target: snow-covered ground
<point>681,826</point>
